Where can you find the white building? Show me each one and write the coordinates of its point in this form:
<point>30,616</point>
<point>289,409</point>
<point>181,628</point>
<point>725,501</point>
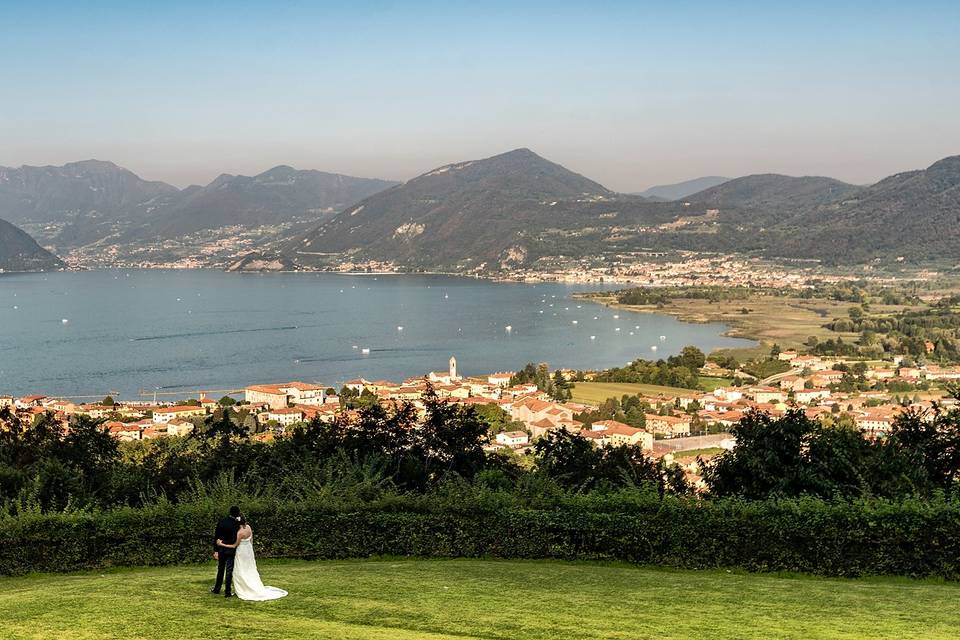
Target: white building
<point>163,415</point>
<point>513,438</point>
<point>280,396</point>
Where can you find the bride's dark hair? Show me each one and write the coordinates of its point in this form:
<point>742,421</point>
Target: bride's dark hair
<point>243,520</point>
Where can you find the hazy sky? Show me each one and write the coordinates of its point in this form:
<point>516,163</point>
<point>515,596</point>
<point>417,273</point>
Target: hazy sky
<point>628,93</point>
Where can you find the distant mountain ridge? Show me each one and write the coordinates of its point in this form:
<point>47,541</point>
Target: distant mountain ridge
<point>91,201</point>
<point>915,215</point>
<point>42,194</point>
<point>683,189</point>
<point>772,189</point>
<point>516,208</point>
<point>277,196</point>
<point>466,212</point>
<point>20,252</point>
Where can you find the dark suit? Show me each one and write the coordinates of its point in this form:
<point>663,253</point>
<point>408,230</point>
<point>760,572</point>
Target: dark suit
<point>226,531</point>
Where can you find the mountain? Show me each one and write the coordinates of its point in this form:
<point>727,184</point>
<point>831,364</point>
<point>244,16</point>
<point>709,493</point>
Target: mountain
<point>95,202</point>
<point>771,190</point>
<point>915,214</point>
<point>20,252</point>
<point>282,195</point>
<point>683,189</point>
<point>90,188</point>
<point>472,212</point>
<point>78,202</point>
<point>257,262</point>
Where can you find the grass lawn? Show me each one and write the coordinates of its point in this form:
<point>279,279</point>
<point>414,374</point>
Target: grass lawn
<point>693,453</point>
<point>597,392</point>
<point>709,383</point>
<point>432,599</point>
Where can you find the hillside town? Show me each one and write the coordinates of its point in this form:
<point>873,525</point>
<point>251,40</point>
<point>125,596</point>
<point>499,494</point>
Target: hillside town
<point>673,420</point>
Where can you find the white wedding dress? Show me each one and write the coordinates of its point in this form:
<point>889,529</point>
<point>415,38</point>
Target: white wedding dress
<point>247,584</point>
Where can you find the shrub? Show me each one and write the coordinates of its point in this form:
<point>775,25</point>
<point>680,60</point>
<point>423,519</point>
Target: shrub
<point>911,538</point>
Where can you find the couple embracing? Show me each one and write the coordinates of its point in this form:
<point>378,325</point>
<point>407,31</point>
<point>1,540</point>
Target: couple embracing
<point>236,564</point>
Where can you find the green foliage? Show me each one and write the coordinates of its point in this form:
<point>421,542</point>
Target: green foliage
<point>910,538</point>
<point>662,295</point>
<point>539,374</point>
<point>795,456</point>
<point>497,419</point>
<point>903,333</point>
<point>766,368</point>
<point>675,371</point>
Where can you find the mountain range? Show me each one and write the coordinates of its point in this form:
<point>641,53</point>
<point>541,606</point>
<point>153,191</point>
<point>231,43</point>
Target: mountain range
<point>88,202</point>
<point>467,213</point>
<point>20,252</point>
<point>515,209</point>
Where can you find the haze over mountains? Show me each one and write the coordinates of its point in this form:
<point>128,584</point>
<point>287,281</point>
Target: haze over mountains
<point>511,210</point>
<point>92,201</point>
<point>682,189</point>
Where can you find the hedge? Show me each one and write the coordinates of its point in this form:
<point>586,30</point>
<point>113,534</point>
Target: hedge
<point>912,538</point>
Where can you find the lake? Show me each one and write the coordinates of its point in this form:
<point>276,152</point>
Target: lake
<point>94,332</point>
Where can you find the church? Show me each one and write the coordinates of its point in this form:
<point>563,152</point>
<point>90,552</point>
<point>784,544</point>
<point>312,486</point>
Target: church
<point>449,377</point>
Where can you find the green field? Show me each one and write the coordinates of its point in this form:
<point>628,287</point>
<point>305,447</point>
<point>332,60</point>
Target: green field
<point>709,383</point>
<point>693,453</point>
<point>414,599</point>
<point>597,392</point>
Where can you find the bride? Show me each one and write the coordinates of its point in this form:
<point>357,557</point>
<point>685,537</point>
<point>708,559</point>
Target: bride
<point>246,579</point>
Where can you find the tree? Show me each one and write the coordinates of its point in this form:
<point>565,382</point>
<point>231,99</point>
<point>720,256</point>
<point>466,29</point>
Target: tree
<point>788,457</point>
<point>226,401</point>
<point>451,438</point>
<point>219,424</point>
<point>561,388</point>
<point>108,401</point>
<point>497,419</point>
<point>569,459</point>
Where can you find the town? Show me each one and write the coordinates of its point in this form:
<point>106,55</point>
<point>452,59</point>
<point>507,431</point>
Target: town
<point>685,425</point>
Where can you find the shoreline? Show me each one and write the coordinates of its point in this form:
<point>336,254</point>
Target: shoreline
<point>734,329</point>
<point>549,351</point>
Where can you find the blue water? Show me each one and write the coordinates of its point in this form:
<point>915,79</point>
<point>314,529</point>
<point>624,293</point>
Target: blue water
<point>129,330</point>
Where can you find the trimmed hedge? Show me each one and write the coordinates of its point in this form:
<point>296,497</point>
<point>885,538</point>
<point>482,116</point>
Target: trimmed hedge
<point>912,538</point>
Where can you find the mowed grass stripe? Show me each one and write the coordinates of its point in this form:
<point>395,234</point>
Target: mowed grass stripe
<point>433,599</point>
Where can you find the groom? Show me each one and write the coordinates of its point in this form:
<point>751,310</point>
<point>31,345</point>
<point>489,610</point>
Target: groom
<point>226,532</point>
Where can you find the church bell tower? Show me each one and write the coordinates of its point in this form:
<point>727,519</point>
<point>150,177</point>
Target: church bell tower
<point>453,369</point>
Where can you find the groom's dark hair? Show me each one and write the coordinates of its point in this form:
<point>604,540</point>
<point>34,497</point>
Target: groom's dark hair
<point>234,511</point>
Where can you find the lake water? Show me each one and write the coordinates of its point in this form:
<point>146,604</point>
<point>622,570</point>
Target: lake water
<point>89,333</point>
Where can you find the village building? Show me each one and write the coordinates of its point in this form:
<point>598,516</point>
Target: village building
<point>284,416</point>
<point>670,426</point>
<point>806,396</point>
<point>500,379</point>
<point>163,415</point>
<point>278,396</point>
<point>612,432</point>
<point>179,428</point>
<point>514,439</point>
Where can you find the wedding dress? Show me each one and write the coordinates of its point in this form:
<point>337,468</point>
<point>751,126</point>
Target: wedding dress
<point>247,584</point>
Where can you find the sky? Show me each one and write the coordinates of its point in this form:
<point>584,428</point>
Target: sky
<point>630,94</point>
